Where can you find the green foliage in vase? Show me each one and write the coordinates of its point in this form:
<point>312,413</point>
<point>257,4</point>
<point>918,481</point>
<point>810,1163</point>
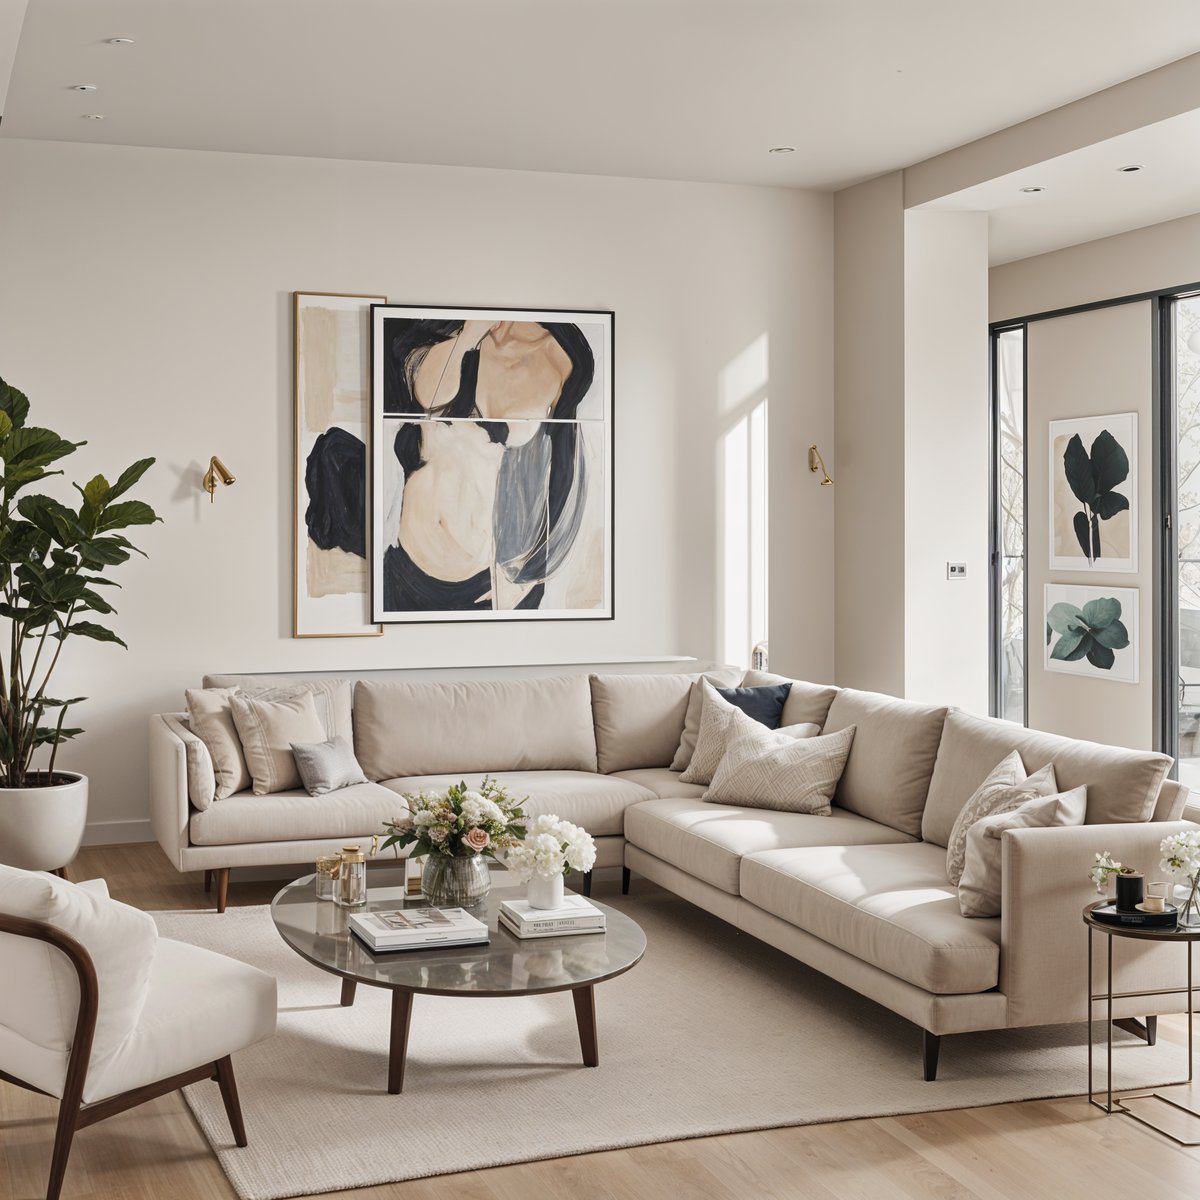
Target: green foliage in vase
<point>1092,477</point>
<point>52,559</point>
<point>1092,632</point>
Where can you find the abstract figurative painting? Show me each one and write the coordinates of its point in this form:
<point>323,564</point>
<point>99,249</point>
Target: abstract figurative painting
<point>491,493</point>
<point>1093,494</point>
<point>331,381</point>
<point>1092,631</point>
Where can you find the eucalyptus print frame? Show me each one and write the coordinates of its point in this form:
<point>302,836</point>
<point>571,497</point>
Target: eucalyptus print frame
<point>1092,631</point>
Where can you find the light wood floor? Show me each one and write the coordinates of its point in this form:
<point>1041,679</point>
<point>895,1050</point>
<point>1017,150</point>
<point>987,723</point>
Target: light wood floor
<point>1061,1148</point>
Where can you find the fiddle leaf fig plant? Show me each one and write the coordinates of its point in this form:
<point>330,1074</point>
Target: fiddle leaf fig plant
<point>1093,478</point>
<point>53,558</point>
<point>1092,632</point>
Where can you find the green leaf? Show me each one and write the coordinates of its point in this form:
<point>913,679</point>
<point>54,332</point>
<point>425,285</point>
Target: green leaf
<point>102,552</point>
<point>1078,469</point>
<point>91,630</point>
<point>1100,656</point>
<point>1108,505</point>
<point>1101,612</point>
<point>35,447</point>
<point>6,425</point>
<point>94,602</point>
<point>1082,534</point>
<point>1114,635</point>
<point>51,517</point>
<point>129,477</point>
<point>96,491</point>
<point>46,702</point>
<point>129,512</point>
<point>1064,617</point>
<point>1110,463</point>
<point>14,404</point>
<point>1068,643</point>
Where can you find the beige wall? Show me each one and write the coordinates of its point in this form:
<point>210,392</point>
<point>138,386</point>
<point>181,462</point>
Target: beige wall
<point>144,305</point>
<point>868,463</point>
<point>945,445</point>
<point>1090,364</point>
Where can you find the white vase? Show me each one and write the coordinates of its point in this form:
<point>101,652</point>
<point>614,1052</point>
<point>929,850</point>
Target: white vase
<point>545,893</point>
<point>41,828</point>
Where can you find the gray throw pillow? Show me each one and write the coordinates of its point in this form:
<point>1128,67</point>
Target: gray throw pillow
<point>327,766</point>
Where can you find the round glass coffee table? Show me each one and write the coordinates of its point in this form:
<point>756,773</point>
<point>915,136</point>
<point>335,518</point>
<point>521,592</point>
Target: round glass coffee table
<point>318,930</point>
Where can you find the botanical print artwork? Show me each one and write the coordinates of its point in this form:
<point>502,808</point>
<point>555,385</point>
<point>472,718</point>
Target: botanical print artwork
<point>492,464</point>
<point>1092,631</point>
<point>1093,493</point>
<point>331,344</point>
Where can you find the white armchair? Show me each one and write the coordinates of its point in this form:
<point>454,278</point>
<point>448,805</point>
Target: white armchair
<point>100,1012</point>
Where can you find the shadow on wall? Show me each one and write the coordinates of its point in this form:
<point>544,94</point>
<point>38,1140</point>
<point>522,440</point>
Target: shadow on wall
<point>742,502</point>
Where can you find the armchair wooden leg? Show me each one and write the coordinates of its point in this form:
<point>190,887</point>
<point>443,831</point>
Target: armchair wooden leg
<point>626,873</point>
<point>208,880</point>
<point>233,1108</point>
<point>931,1048</point>
<point>222,888</point>
<point>64,1135</point>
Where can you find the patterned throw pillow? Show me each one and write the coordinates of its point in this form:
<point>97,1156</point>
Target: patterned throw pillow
<point>1006,788</point>
<point>775,769</point>
<point>764,704</point>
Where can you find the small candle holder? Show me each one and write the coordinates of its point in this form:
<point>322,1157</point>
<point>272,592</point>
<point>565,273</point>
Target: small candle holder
<point>328,870</point>
<point>1130,890</point>
<point>1156,897</point>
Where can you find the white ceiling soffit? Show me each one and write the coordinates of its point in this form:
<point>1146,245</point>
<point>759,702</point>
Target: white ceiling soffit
<point>12,13</point>
<point>670,89</point>
<point>1087,195</point>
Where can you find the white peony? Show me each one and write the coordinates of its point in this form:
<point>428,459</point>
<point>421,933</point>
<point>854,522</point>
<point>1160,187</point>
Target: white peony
<point>551,847</point>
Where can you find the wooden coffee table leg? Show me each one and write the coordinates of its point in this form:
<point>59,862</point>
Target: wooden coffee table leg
<point>585,1017</point>
<point>398,1051</point>
<point>349,987</point>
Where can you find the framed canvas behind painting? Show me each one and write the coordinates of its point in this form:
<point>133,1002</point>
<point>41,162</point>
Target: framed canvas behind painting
<point>491,453</point>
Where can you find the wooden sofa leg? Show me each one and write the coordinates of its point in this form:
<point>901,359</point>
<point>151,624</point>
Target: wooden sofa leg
<point>208,880</point>
<point>931,1047</point>
<point>1148,1032</point>
<point>222,888</point>
<point>587,883</point>
<point>233,1107</point>
<point>626,874</point>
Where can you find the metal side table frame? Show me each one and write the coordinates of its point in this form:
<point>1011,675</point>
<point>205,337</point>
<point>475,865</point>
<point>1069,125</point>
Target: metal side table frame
<point>1183,937</point>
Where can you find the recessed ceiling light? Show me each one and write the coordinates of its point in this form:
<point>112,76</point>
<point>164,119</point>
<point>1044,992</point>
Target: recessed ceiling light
<point>1129,170</point>
<point>1033,187</point>
<point>120,41</point>
<point>83,87</point>
<point>782,150</point>
<point>93,116</point>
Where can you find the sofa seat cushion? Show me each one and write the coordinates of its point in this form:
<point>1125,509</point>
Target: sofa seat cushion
<point>200,1006</point>
<point>890,906</point>
<point>597,802</point>
<point>664,782</point>
<point>708,840</point>
<point>294,816</point>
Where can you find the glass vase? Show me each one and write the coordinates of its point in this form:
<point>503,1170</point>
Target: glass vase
<point>455,882</point>
<point>1187,896</point>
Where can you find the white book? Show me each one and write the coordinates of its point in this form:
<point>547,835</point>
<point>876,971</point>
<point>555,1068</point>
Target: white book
<point>525,933</point>
<point>574,909</point>
<point>409,928</point>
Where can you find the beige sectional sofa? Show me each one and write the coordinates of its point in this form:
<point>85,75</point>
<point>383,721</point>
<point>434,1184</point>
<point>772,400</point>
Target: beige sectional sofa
<point>861,895</point>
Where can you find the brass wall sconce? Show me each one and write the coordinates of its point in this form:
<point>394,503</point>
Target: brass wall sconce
<point>217,470</point>
<point>817,463</point>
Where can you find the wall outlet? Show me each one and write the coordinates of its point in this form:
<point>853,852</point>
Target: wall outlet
<point>956,570</point>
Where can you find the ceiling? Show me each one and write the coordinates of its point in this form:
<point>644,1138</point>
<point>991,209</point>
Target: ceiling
<point>669,89</point>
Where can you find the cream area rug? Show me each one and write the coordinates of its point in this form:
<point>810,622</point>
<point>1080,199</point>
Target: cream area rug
<point>713,1032</point>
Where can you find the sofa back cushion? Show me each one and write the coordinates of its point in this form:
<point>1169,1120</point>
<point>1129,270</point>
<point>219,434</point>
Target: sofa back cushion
<point>640,718</point>
<point>1122,785</point>
<point>891,762</point>
<point>806,703</point>
<point>468,726</point>
<point>338,694</point>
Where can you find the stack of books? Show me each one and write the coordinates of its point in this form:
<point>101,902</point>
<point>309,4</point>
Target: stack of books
<point>417,928</point>
<point>576,915</point>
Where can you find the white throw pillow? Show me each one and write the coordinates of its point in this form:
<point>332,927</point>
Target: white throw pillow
<point>1005,788</point>
<point>267,729</point>
<point>202,779</point>
<point>716,713</point>
<point>789,770</point>
<point>979,891</point>
<point>210,718</point>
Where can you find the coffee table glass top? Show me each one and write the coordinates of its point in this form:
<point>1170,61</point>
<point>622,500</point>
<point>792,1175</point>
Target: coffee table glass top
<point>318,930</point>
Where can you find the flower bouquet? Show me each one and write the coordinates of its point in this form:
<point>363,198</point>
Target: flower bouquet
<point>551,848</point>
<point>457,830</point>
<point>1181,857</point>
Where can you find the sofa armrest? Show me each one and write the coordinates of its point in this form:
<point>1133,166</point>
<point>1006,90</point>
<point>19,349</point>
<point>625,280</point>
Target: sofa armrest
<point>170,810</point>
<point>1043,941</point>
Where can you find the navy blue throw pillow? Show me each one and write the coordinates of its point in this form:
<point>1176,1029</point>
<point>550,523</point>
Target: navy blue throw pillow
<point>764,704</point>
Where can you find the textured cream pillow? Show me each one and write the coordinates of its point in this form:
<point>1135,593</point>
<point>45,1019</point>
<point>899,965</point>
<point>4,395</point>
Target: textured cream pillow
<point>979,891</point>
<point>716,713</point>
<point>789,770</point>
<point>210,716</point>
<point>202,781</point>
<point>267,729</point>
<point>726,677</point>
<point>1003,790</point>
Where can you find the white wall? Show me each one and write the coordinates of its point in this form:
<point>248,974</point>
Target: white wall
<point>144,305</point>
<point>945,447</point>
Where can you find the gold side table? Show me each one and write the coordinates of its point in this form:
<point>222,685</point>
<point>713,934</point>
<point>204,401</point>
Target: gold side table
<point>1183,937</point>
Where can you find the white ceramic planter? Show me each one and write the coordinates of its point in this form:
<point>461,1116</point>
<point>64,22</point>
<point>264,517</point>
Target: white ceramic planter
<point>41,828</point>
<point>545,893</point>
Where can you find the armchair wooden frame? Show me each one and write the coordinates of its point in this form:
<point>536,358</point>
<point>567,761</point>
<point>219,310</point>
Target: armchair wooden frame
<point>73,1114</point>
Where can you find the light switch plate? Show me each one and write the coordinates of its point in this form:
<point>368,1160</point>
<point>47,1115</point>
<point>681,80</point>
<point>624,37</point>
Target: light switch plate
<point>956,570</point>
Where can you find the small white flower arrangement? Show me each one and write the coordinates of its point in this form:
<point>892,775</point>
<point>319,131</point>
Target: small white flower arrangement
<point>552,847</point>
<point>1181,857</point>
<point>1104,866</point>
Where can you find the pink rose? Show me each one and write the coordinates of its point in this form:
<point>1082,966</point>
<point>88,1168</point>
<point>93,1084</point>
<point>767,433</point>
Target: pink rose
<point>477,839</point>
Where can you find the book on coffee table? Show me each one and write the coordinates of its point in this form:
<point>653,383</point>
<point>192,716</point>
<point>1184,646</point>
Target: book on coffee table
<point>574,915</point>
<point>418,928</point>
